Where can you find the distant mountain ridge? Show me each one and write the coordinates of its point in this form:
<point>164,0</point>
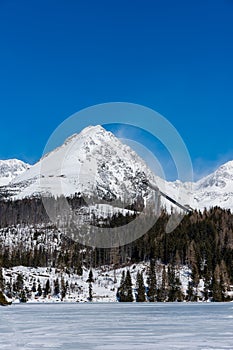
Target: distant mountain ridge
<point>11,168</point>
<point>96,162</point>
<point>93,162</point>
<point>215,189</point>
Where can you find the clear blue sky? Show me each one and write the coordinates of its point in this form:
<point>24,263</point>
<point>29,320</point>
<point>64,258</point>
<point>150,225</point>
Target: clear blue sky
<point>60,56</point>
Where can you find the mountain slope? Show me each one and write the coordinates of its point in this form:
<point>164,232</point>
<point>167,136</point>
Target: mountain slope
<point>215,189</point>
<point>96,163</point>
<point>92,162</point>
<point>11,168</point>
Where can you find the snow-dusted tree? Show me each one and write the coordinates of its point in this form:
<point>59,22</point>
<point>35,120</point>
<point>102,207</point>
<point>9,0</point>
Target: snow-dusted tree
<point>140,288</point>
<point>90,280</point>
<point>56,287</point>
<point>63,288</point>
<point>34,287</point>
<point>125,293</point>
<point>90,277</point>
<point>47,289</point>
<point>2,282</point>
<point>39,290</point>
<point>152,282</point>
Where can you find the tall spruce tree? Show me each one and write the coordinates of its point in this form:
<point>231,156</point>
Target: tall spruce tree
<point>2,282</point>
<point>125,293</point>
<point>140,288</point>
<point>152,282</point>
<point>128,287</point>
<point>90,280</point>
<point>56,287</point>
<point>47,288</point>
<point>162,291</point>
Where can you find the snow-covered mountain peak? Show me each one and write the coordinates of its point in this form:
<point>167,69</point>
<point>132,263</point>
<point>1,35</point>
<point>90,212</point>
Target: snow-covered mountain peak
<point>11,168</point>
<point>220,178</point>
<point>93,162</point>
<point>216,189</point>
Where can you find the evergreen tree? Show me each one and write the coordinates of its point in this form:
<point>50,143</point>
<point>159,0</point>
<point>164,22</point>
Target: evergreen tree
<point>90,292</point>
<point>56,287</point>
<point>47,289</point>
<point>140,288</point>
<point>2,282</point>
<point>190,292</point>
<point>90,277</point>
<point>128,287</point>
<point>34,287</point>
<point>162,291</point>
<point>218,286</point>
<point>39,290</point>
<point>90,280</point>
<point>125,293</point>
<point>152,283</point>
<point>22,296</point>
<point>174,293</point>
<point>19,283</point>
<point>63,288</point>
<point>120,290</point>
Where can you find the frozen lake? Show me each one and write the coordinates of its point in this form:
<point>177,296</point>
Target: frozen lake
<point>117,326</point>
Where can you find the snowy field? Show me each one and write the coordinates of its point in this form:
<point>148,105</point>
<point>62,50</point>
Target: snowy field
<point>117,326</point>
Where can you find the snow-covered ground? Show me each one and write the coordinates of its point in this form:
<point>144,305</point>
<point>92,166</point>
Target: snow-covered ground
<point>11,168</point>
<point>103,288</point>
<point>116,326</point>
<point>95,162</point>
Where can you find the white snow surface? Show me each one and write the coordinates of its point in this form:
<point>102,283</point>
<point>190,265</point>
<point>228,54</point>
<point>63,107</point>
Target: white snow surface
<point>124,326</point>
<point>104,289</point>
<point>96,162</point>
<point>11,168</point>
<point>215,189</point>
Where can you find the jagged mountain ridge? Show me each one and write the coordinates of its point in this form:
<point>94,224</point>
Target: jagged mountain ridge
<point>92,162</point>
<point>11,168</point>
<point>96,162</point>
<point>215,189</point>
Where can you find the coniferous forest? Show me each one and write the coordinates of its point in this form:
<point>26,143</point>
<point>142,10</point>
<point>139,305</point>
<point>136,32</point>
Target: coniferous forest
<point>203,242</point>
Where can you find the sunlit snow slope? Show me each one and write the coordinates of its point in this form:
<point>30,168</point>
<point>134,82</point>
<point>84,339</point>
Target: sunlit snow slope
<point>95,162</point>
<point>11,168</point>
<point>92,162</point>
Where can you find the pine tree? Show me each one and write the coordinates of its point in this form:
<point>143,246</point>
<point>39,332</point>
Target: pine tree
<point>162,291</point>
<point>39,290</point>
<point>90,292</point>
<point>90,280</point>
<point>34,287</point>
<point>90,277</point>
<point>140,288</point>
<point>125,293</point>
<point>56,287</point>
<point>190,292</point>
<point>63,288</point>
<point>217,285</point>
<point>175,293</point>
<point>128,287</point>
<point>18,285</point>
<point>2,282</point>
<point>152,282</point>
<point>120,290</point>
<point>47,288</point>
<point>22,296</point>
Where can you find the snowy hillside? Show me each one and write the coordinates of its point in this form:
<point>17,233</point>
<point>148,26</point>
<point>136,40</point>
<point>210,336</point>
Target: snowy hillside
<point>94,161</point>
<point>215,189</point>
<point>77,287</point>
<point>11,168</point>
